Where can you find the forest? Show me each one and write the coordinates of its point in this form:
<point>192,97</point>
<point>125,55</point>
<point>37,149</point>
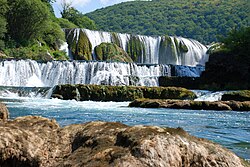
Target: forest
<point>204,20</point>
<point>30,29</point>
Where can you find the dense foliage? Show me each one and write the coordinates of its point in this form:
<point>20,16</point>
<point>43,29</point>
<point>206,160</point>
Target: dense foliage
<point>77,18</point>
<point>202,20</point>
<point>29,29</point>
<point>3,22</point>
<point>238,42</point>
<point>26,20</point>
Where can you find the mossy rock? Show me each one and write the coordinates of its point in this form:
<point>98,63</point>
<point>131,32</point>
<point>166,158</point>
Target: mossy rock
<point>84,47</point>
<point>119,93</point>
<point>111,52</point>
<point>135,48</point>
<point>115,39</point>
<point>71,40</point>
<point>167,47</point>
<point>243,95</point>
<point>183,47</point>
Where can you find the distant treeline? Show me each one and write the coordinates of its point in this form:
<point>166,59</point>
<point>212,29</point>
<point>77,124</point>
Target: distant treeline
<point>203,20</point>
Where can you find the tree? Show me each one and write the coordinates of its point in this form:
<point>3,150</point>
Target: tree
<point>3,23</point>
<point>27,20</point>
<point>76,17</point>
<point>238,41</point>
<point>49,5</point>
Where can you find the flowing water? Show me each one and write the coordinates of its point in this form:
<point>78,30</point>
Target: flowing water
<point>157,50</point>
<point>29,73</point>
<point>228,128</point>
<point>26,88</point>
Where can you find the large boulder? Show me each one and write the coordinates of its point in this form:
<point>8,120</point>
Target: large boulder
<point>4,113</point>
<point>36,141</point>
<point>81,48</point>
<point>111,52</point>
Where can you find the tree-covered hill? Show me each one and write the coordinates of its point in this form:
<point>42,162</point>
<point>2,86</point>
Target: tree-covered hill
<point>202,20</point>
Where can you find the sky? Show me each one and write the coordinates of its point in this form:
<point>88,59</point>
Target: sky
<point>85,6</point>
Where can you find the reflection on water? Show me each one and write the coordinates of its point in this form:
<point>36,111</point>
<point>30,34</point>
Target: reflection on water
<point>231,129</point>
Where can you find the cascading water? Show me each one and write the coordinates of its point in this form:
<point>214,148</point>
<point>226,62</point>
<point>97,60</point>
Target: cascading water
<point>28,73</point>
<point>204,95</point>
<point>153,50</point>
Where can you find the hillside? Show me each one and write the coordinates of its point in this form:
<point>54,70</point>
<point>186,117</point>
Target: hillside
<point>202,20</point>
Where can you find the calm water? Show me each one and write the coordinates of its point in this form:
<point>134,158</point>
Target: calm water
<point>231,129</point>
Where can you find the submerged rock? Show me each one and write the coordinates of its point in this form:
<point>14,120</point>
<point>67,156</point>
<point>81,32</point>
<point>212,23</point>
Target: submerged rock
<point>192,105</point>
<point>36,141</point>
<point>119,93</point>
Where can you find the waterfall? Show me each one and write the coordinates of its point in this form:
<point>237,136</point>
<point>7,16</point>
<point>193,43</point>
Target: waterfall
<point>29,73</point>
<point>153,50</point>
<point>203,95</point>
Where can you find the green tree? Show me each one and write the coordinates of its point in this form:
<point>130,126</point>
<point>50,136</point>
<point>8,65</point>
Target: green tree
<point>65,23</point>
<point>76,17</point>
<point>3,30</point>
<point>238,41</point>
<point>27,20</point>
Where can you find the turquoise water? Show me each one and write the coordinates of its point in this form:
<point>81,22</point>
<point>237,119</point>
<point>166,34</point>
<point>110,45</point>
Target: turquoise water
<point>228,128</point>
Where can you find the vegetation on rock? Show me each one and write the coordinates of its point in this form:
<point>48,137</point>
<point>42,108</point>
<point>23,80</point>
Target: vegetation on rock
<point>83,48</point>
<point>111,52</point>
<point>135,48</point>
<point>119,93</point>
<point>203,20</point>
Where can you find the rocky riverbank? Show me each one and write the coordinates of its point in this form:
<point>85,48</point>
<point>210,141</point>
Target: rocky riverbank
<point>37,141</point>
<point>190,104</point>
<point>118,93</point>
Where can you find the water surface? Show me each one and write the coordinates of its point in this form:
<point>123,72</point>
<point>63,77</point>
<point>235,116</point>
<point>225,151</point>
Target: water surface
<point>228,128</point>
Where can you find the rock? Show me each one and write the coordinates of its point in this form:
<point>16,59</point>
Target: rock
<point>243,95</point>
<point>135,49</point>
<point>4,113</point>
<point>238,106</point>
<point>37,141</point>
<point>185,82</point>
<point>192,105</point>
<point>119,93</point>
<point>111,52</point>
<point>226,71</point>
<point>81,49</point>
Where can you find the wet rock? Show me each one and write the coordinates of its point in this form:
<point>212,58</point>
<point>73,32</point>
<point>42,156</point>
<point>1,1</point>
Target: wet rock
<point>119,93</point>
<point>192,105</point>
<point>4,113</point>
<point>36,141</point>
<point>111,52</point>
